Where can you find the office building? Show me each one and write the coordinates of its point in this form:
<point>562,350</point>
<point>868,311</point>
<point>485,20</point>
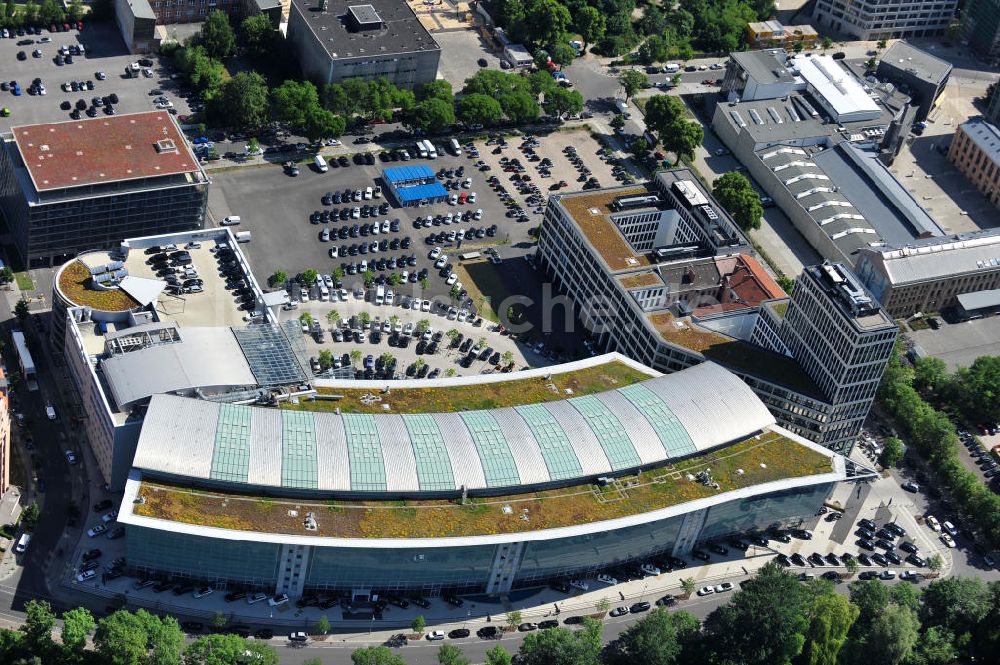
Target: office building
<point>842,338</point>
<point>649,281</point>
<point>929,276</point>
<point>336,40</point>
<point>816,136</point>
<point>137,19</point>
<point>870,20</point>
<point>772,34</point>
<point>128,334</point>
<point>389,499</point>
<point>70,186</point>
<point>981,28</point>
<point>921,75</point>
<point>975,152</point>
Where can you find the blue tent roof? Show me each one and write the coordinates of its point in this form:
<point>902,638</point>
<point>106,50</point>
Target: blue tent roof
<point>406,173</point>
<point>419,192</point>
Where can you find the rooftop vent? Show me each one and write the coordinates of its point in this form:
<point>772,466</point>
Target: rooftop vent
<point>166,145</point>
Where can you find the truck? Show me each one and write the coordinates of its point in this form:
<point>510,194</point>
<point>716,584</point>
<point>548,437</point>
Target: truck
<point>380,295</point>
<point>320,163</point>
<point>243,236</point>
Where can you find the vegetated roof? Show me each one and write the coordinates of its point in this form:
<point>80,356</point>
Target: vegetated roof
<point>735,354</point>
<point>590,211</point>
<point>643,424</point>
<point>516,390</point>
<point>640,280</point>
<point>75,284</point>
<point>769,456</point>
<point>112,148</point>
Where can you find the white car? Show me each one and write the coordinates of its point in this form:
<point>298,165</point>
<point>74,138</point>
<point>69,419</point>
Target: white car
<point>165,105</point>
<point>471,198</point>
<point>452,278</point>
<point>650,569</point>
<point>425,306</point>
<point>408,329</point>
<point>933,523</point>
<point>256,597</point>
<point>619,611</point>
<point>579,584</point>
<point>467,183</point>
<point>110,517</point>
<point>298,636</point>
<point>604,578</point>
<point>84,576</point>
<point>706,591</point>
<point>947,540</point>
<point>71,457</point>
<point>435,635</point>
<point>724,587</point>
<point>463,314</point>
<point>96,530</point>
<point>203,591</point>
<point>950,529</point>
<point>436,252</point>
<point>304,294</point>
<point>441,262</point>
<point>453,199</point>
<point>478,214</point>
<point>385,226</point>
<point>278,600</point>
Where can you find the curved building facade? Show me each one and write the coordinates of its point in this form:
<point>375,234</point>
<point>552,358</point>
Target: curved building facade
<point>484,500</point>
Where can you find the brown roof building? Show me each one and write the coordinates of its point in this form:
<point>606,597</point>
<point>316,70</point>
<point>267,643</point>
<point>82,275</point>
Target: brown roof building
<point>85,184</point>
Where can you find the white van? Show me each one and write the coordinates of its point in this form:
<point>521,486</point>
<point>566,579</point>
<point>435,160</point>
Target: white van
<point>50,412</point>
<point>456,149</point>
<point>22,543</point>
<point>622,108</point>
<point>321,164</point>
<point>232,220</point>
<point>243,236</point>
<point>431,150</point>
<point>324,293</point>
<point>671,68</point>
<point>421,149</point>
<point>380,295</point>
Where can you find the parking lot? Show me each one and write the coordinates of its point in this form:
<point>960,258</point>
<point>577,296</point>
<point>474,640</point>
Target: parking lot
<point>104,52</point>
<point>959,344</point>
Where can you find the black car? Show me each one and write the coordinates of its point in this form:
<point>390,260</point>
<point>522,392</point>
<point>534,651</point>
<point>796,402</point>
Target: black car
<point>864,560</point>
<point>459,633</point>
<point>549,623</point>
<point>264,634</point>
<point>879,559</point>
<point>102,505</point>
<point>907,546</point>
<point>783,560</point>
<point>798,559</point>
<point>868,524</point>
<point>420,602</point>
<point>488,632</point>
<point>700,555</point>
<point>90,555</point>
<point>636,608</point>
<point>865,544</point>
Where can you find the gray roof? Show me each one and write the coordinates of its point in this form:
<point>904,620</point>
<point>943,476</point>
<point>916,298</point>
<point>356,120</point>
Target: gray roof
<point>141,9</point>
<point>400,31</point>
<point>763,66</point>
<point>205,357</point>
<point>979,299</point>
<point>939,258</point>
<point>985,135</point>
<point>921,64</point>
<point>800,126</point>
<point>642,424</point>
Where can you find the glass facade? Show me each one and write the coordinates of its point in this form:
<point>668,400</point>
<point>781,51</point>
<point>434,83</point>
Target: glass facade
<point>609,431</point>
<point>557,451</point>
<point>164,553</point>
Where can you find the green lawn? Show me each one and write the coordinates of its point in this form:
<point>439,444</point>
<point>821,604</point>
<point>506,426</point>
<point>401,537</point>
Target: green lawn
<point>24,282</point>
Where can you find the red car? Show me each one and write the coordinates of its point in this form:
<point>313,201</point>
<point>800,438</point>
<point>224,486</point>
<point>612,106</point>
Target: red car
<point>79,25</point>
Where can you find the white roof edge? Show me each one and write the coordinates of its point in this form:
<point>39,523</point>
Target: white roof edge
<point>839,473</point>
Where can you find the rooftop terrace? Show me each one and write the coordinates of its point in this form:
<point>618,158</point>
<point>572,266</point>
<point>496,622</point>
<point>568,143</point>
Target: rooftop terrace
<point>767,457</point>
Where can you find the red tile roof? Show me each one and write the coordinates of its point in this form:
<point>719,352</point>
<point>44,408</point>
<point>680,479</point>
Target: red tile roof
<point>749,285</point>
<point>99,150</point>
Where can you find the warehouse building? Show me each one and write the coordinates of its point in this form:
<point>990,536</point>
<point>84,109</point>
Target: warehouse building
<point>70,186</point>
<point>923,76</point>
<point>335,40</point>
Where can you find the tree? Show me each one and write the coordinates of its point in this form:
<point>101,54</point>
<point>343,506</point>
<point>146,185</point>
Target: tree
<point>546,21</point>
<point>75,10</point>
<point>688,585</point>
<point>77,626</point>
<point>432,115</point>
<point>590,24</point>
<point>652,641</point>
<point>437,89</point>
<point>562,101</point>
<point>513,619</point>
<point>369,276</point>
<point>562,53</point>
<point>322,625</point>
<point>936,646</point>
<point>258,36</point>
<point>737,195</point>
<point>498,656</point>
<point>219,618</point>
<point>423,325</point>
<point>852,566</point>
<point>893,635</point>
<point>50,12</point>
<point>632,82</point>
<point>764,623</point>
<point>379,655</point>
<point>892,453</point>
<point>365,318</point>
<point>323,124</point>
<point>279,278</point>
<point>602,605</point>
<point>394,279</point>
<point>827,43</point>
<point>217,35</point>
<point>38,622</point>
<point>355,356</point>
<point>478,109</point>
<point>387,358</point>
<point>325,362</point>
<point>560,646</point>
<point>228,649</point>
<point>455,292</point>
<point>30,515</point>
<point>667,116</point>
<point>21,309</point>
<point>243,102</point>
<point>831,616</point>
<point>333,317</point>
<point>306,317</point>
<point>205,74</point>
<point>978,388</point>
<point>935,563</point>
<point>871,597</point>
<point>481,343</point>
<point>956,603</point>
<point>6,275</point>
<point>507,358</point>
<point>451,655</point>
<point>292,99</point>
<point>418,624</point>
<point>124,638</point>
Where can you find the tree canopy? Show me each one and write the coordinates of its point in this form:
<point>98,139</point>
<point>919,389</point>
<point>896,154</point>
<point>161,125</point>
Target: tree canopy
<point>738,196</point>
<point>217,35</point>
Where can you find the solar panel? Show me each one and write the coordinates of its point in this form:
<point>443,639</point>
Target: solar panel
<point>269,353</point>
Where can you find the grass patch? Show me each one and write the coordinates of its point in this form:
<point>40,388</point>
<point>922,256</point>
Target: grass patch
<point>918,324</point>
<point>74,282</point>
<point>513,392</point>
<point>24,281</point>
<point>780,308</point>
<point>485,286</point>
<point>753,461</point>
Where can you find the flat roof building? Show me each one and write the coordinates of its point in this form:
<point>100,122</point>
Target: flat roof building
<point>771,34</point>
<point>922,75</point>
<point>84,184</point>
<point>870,20</point>
<point>414,185</point>
<point>337,40</point>
<point>981,28</point>
<point>929,276</point>
<point>648,281</point>
<point>137,19</point>
<point>975,152</point>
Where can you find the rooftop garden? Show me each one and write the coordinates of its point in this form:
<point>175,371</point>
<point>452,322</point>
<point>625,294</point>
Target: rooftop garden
<point>75,284</point>
<point>514,391</point>
<point>753,461</point>
<point>643,279</point>
<point>736,354</point>
<point>600,231</point>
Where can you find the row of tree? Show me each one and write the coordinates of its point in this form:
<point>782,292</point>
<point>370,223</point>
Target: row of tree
<point>972,392</point>
<point>16,15</point>
<point>932,434</point>
<point>773,620</point>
